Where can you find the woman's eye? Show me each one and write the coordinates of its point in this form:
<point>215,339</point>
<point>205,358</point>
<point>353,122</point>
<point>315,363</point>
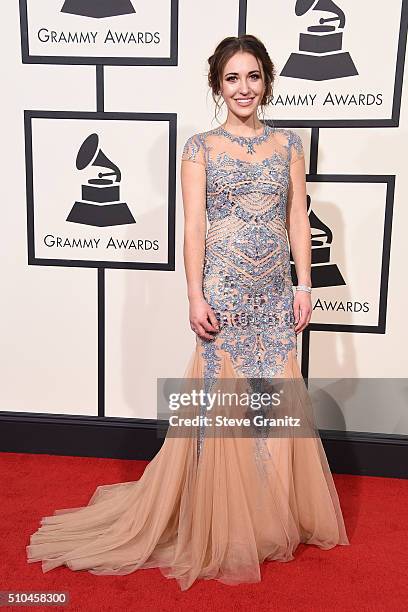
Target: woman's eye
<point>253,76</point>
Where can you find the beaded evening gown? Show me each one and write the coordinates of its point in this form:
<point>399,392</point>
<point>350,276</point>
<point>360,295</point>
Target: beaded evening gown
<point>216,506</point>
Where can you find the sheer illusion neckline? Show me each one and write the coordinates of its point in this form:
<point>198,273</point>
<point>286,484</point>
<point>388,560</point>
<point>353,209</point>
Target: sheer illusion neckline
<point>248,141</point>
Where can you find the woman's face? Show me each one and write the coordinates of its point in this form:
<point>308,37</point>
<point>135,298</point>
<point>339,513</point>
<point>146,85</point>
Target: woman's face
<point>242,84</point>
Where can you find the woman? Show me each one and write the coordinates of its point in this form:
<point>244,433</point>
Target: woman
<point>217,504</point>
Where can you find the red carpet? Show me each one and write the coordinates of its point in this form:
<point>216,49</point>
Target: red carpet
<point>371,574</point>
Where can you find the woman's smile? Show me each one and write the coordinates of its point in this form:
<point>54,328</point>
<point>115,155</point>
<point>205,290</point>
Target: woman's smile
<point>244,101</point>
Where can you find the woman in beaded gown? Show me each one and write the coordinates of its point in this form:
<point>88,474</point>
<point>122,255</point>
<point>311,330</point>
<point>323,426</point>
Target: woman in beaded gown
<point>217,506</point>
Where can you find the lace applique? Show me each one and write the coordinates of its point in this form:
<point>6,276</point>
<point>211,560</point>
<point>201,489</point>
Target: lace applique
<point>246,275</point>
<point>194,149</point>
<point>246,141</point>
<point>295,144</point>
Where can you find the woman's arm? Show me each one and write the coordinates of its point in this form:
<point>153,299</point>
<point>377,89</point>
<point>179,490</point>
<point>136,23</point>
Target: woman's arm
<point>299,234</point>
<point>193,191</point>
<point>193,185</point>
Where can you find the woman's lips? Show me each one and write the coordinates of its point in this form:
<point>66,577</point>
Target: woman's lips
<point>244,101</point>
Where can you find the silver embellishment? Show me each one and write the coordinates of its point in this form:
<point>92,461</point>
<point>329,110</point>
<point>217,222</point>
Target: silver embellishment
<point>246,141</point>
<point>246,274</point>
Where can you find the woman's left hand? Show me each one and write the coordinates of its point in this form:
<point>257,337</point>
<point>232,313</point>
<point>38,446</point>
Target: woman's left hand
<point>302,308</point>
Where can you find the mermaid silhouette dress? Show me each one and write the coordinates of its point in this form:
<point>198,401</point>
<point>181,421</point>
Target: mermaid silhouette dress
<point>207,506</point>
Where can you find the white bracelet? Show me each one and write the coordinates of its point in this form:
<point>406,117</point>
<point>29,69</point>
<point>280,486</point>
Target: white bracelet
<point>304,288</point>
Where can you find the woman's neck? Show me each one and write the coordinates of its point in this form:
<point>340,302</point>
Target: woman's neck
<point>247,127</point>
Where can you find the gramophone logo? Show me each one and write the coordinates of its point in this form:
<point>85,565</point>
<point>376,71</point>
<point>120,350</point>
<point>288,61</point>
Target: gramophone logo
<point>100,204</point>
<point>98,8</point>
<point>323,273</point>
<point>320,55</point>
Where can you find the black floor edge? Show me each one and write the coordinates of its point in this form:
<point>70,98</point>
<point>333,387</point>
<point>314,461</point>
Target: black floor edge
<point>358,453</point>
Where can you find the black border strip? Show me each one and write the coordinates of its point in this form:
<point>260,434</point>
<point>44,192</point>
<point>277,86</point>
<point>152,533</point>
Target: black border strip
<point>100,91</point>
<point>101,341</point>
<point>359,453</point>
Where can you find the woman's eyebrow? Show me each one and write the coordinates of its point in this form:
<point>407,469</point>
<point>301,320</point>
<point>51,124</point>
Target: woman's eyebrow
<point>236,73</point>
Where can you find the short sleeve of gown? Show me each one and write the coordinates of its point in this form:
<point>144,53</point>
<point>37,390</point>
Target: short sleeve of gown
<point>295,147</point>
<point>193,150</point>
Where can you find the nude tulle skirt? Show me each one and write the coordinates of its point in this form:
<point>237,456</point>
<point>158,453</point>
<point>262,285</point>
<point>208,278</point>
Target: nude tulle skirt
<point>213,516</point>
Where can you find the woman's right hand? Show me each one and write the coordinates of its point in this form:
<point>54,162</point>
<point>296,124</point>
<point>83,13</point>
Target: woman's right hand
<point>202,318</point>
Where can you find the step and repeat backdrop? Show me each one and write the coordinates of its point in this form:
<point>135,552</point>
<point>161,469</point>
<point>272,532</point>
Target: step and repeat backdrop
<point>98,100</point>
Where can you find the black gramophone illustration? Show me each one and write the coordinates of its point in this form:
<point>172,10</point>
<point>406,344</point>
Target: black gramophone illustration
<point>98,8</point>
<point>320,56</point>
<point>323,273</point>
<point>100,205</point>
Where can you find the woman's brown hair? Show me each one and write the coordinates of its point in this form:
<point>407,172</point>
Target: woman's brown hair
<point>225,50</point>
